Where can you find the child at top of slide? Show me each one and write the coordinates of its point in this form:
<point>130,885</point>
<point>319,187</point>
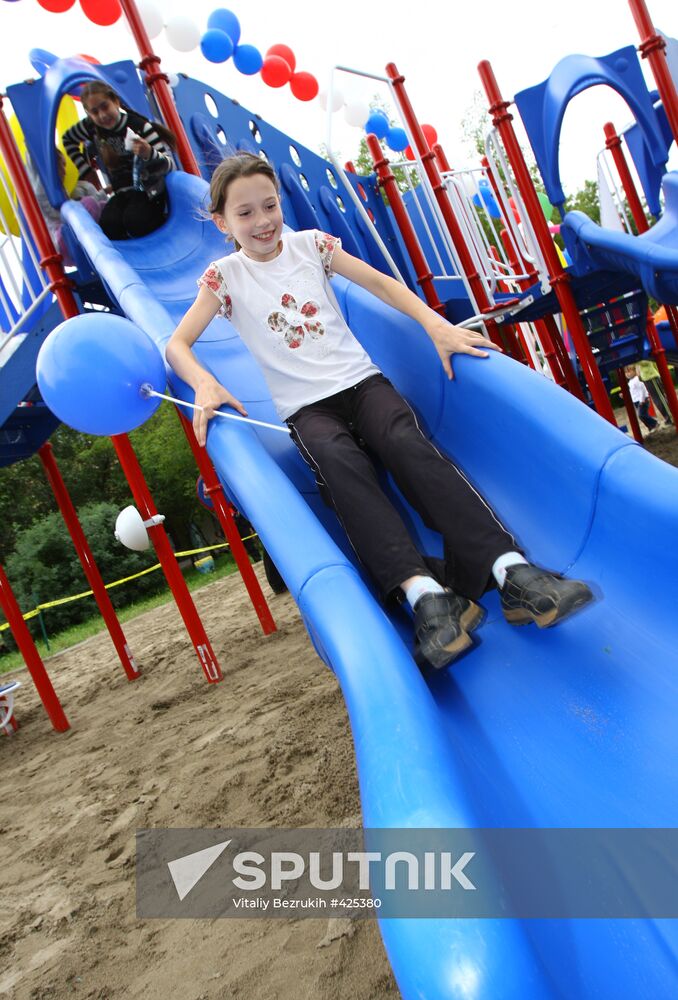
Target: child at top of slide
<point>135,154</point>
<point>276,291</point>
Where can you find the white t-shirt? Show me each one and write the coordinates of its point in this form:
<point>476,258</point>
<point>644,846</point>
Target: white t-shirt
<point>288,317</point>
<point>638,390</point>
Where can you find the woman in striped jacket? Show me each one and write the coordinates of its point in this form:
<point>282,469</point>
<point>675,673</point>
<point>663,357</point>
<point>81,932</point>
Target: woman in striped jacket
<point>133,152</point>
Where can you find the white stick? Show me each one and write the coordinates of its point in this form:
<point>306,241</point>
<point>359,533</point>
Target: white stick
<point>147,390</point>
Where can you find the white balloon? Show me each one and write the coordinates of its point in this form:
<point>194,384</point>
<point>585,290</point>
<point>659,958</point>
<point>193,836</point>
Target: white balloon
<point>151,16</point>
<point>357,113</point>
<point>337,100</point>
<point>182,33</point>
<point>173,79</point>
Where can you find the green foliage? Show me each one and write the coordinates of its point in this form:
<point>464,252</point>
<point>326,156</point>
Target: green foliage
<point>476,123</point>
<point>585,200</point>
<point>44,565</point>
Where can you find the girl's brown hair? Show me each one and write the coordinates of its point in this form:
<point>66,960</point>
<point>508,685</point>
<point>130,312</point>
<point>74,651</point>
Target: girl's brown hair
<point>239,165</point>
<point>99,87</point>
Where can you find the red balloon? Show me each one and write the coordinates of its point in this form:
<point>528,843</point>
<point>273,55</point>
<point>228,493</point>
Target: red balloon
<point>56,6</point>
<point>430,134</point>
<point>102,12</point>
<point>409,155</point>
<point>285,52</point>
<point>304,86</point>
<point>275,72</point>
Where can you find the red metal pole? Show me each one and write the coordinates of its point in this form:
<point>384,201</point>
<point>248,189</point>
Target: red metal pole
<point>653,48</point>
<point>558,277</point>
<point>224,512</point>
<point>86,558</point>
<point>159,84</point>
<point>428,160</point>
<point>50,260</point>
<point>388,182</point>
<point>36,667</point>
<point>614,144</point>
<point>549,335</point>
<point>628,403</point>
<point>158,535</point>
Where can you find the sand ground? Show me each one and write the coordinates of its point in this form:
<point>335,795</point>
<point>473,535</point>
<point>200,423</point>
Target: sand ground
<point>270,746</point>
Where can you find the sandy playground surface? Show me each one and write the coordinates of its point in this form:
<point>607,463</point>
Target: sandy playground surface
<point>269,746</point>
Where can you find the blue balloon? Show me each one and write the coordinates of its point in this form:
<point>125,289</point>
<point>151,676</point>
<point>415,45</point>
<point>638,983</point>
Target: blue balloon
<point>247,59</point>
<point>91,369</point>
<point>487,200</point>
<point>216,45</point>
<point>378,124</point>
<point>226,21</point>
<point>396,139</point>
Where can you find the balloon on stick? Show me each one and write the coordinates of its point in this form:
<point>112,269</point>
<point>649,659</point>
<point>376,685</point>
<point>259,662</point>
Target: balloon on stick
<point>91,370</point>
<point>226,21</point>
<point>304,86</point>
<point>247,59</point>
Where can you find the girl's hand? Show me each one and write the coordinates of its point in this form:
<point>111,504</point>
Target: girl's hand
<point>450,339</point>
<point>210,394</point>
<point>142,148</point>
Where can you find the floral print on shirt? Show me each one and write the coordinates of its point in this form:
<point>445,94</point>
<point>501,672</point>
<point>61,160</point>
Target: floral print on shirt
<point>214,280</point>
<point>326,245</point>
<point>294,322</point>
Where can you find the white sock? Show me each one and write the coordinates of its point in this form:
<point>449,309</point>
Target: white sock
<point>501,564</point>
<point>421,585</point>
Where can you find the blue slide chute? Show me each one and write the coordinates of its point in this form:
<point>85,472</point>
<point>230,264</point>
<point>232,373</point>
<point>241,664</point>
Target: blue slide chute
<point>573,727</point>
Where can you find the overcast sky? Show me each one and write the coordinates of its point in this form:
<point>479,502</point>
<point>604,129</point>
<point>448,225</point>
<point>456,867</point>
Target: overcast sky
<point>437,49</point>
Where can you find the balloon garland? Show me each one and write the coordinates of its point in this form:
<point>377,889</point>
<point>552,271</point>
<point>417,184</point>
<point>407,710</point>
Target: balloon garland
<point>220,41</point>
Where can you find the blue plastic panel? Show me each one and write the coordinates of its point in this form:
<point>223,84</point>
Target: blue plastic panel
<point>543,106</point>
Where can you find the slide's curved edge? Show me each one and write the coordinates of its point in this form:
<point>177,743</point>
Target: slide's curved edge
<point>402,743</point>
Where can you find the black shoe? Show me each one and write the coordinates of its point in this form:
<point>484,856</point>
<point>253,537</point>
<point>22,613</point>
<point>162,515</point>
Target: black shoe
<point>532,594</point>
<point>442,622</point>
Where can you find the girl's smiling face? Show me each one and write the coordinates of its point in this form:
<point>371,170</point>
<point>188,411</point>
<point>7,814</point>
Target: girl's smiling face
<point>253,216</point>
<point>102,109</point>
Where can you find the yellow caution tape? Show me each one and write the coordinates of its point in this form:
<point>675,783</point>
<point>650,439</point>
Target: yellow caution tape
<point>117,583</point>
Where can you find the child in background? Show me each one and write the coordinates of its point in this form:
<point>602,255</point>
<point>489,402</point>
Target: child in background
<point>276,291</point>
<point>90,197</point>
<point>134,152</point>
<point>649,375</point>
<point>640,398</point>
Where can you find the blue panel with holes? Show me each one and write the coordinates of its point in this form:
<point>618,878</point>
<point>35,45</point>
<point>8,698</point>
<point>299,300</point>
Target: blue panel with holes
<point>313,196</point>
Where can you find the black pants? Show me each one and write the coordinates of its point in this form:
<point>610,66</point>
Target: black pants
<point>329,435</point>
<point>131,213</point>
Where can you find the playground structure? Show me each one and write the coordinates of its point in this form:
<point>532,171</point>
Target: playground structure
<point>574,728</point>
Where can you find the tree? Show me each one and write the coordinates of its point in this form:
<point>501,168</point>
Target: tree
<point>44,565</point>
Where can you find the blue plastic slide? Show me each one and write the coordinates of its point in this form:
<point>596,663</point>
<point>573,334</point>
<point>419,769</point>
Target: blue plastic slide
<point>569,727</point>
<point>651,257</point>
